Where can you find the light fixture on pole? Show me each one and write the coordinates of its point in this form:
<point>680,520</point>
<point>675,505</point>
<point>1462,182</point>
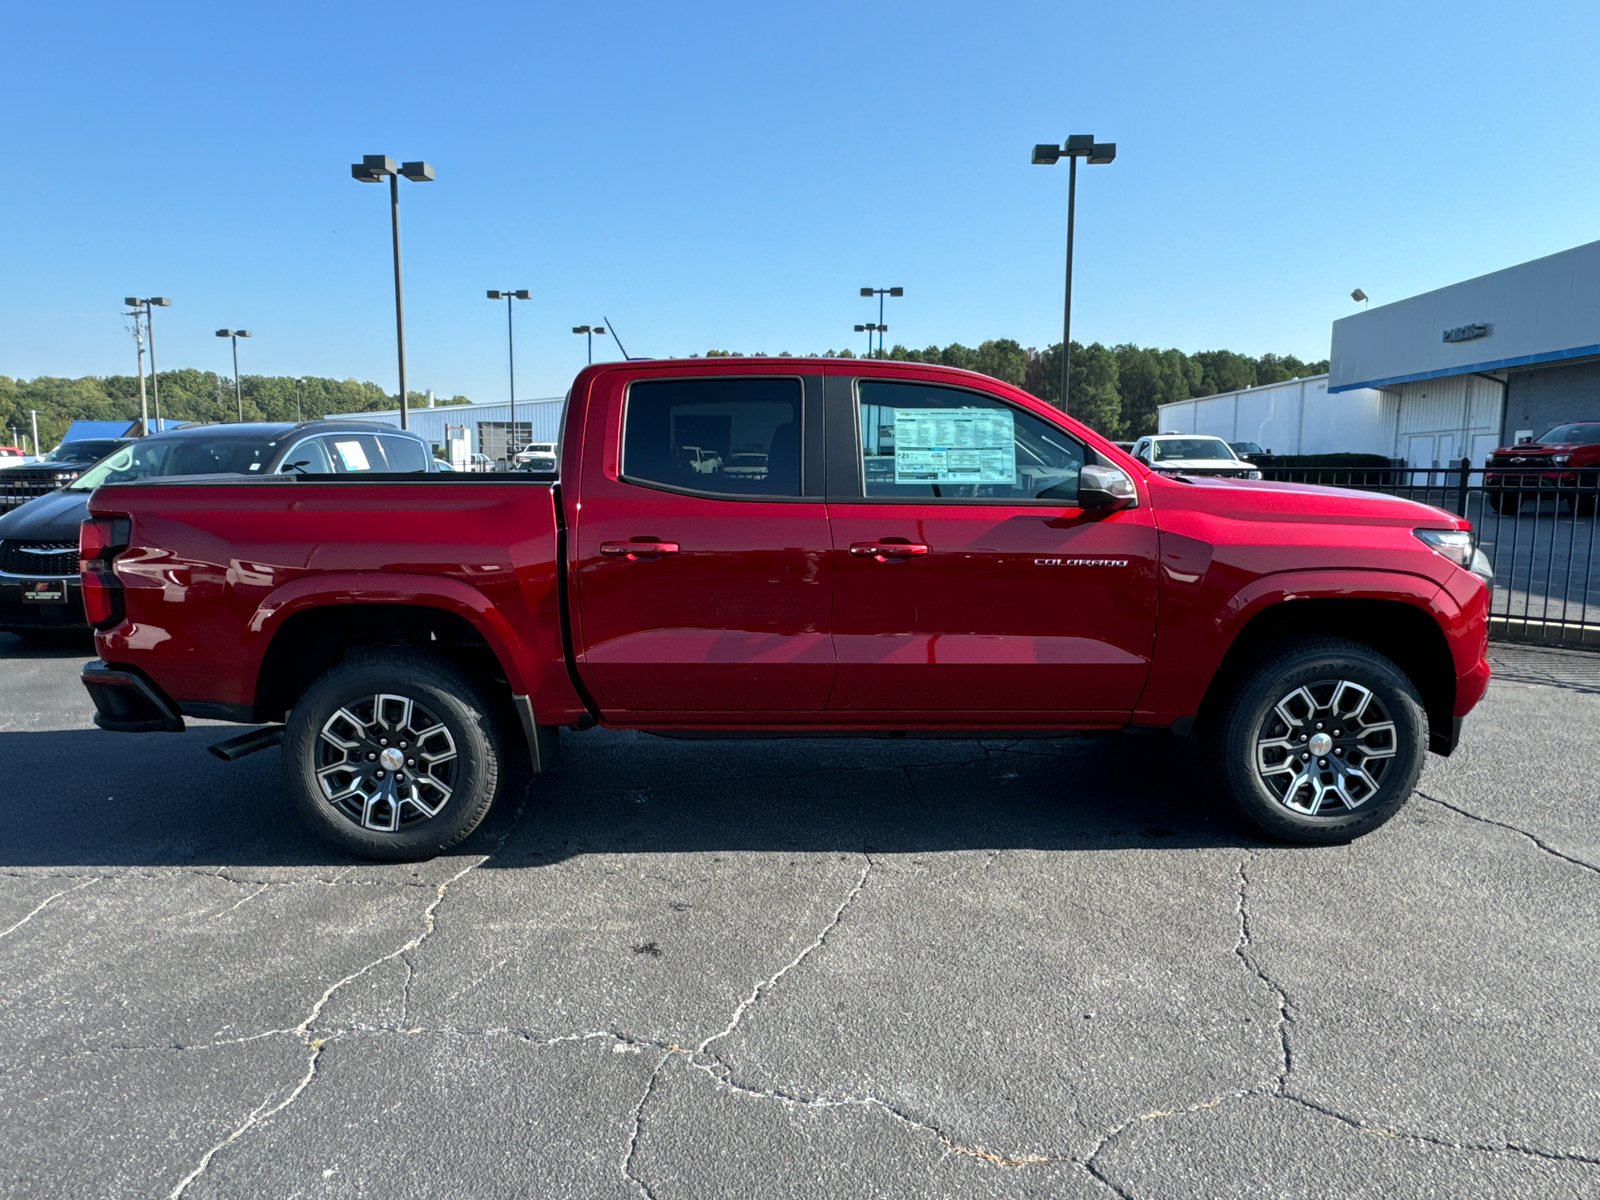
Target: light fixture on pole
<point>146,305</point>
<point>880,293</point>
<point>138,341</point>
<point>236,334</point>
<point>1360,297</point>
<point>870,329</point>
<point>375,168</point>
<point>1079,145</point>
<point>589,331</point>
<point>511,352</point>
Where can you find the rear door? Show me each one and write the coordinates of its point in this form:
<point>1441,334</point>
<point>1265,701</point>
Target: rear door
<point>700,590</point>
<point>968,580</point>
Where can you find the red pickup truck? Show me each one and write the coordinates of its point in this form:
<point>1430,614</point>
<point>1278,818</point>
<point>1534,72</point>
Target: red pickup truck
<point>792,547</point>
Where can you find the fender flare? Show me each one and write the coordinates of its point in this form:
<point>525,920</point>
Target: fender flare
<point>388,587</point>
<point>1285,587</point>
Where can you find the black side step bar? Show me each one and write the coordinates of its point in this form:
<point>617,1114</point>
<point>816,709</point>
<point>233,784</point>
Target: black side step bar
<point>236,748</point>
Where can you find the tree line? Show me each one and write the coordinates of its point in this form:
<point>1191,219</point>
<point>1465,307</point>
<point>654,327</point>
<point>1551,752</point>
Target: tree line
<point>1114,389</point>
<point>186,395</point>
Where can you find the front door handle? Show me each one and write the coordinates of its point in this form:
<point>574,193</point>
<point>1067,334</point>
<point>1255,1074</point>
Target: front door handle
<point>888,551</point>
<point>638,548</point>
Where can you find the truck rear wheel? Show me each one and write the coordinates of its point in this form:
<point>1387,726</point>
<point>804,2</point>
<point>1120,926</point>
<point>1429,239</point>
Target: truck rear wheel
<point>393,755</point>
<point>1322,742</point>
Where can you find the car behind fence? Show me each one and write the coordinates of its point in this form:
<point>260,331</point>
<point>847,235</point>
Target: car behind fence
<point>1540,528</point>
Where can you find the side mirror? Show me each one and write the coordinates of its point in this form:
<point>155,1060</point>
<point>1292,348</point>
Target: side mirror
<point>1105,489</point>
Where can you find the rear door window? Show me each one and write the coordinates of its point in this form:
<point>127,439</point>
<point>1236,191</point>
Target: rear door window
<point>925,441</point>
<point>733,437</point>
<point>355,453</point>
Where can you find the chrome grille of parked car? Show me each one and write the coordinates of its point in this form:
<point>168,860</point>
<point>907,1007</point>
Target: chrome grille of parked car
<point>25,556</point>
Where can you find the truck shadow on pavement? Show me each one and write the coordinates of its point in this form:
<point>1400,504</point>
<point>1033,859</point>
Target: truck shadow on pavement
<point>86,798</point>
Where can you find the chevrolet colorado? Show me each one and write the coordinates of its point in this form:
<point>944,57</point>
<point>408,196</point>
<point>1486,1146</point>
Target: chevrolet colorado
<point>922,551</point>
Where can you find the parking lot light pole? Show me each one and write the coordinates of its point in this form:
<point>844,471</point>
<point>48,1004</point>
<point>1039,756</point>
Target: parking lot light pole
<point>235,335</point>
<point>375,168</point>
<point>589,331</point>
<point>1079,145</point>
<point>880,293</point>
<point>138,341</point>
<point>880,330</point>
<point>150,329</point>
<point>511,353</point>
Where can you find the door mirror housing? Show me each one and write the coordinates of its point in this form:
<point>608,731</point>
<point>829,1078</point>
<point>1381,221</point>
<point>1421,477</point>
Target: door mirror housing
<point>1105,489</point>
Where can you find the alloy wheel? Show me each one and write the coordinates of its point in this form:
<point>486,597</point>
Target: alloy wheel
<point>1325,747</point>
<point>385,762</point>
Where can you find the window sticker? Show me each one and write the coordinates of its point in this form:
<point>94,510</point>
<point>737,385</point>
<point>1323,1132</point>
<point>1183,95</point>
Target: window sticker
<point>353,456</point>
<point>954,445</point>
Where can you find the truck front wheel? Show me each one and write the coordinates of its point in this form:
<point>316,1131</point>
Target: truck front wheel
<point>393,755</point>
<point>1322,742</point>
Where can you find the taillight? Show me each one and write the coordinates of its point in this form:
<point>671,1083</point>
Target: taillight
<point>101,539</point>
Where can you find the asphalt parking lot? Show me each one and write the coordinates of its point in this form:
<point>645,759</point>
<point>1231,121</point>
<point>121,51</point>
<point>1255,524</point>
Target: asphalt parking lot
<point>825,969</point>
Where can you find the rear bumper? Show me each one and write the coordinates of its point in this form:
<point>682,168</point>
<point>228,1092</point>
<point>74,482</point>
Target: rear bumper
<point>126,702</point>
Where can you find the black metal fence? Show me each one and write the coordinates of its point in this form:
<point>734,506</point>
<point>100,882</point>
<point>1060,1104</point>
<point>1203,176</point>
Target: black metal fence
<point>1539,528</point>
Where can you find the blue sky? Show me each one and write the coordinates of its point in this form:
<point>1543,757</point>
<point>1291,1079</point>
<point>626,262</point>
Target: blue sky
<point>729,175</point>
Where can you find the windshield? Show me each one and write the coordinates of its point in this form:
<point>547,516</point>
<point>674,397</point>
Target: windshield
<point>178,456</point>
<point>1587,431</point>
<point>1246,448</point>
<point>79,452</point>
<point>1168,449</point>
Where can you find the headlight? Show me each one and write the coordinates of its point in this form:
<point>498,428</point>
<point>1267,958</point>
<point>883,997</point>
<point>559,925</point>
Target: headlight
<point>1561,460</point>
<point>1456,545</point>
<point>1253,475</point>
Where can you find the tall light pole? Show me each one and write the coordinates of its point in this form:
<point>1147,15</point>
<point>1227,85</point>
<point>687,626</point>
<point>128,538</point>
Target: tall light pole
<point>235,335</point>
<point>150,328</point>
<point>1079,145</point>
<point>869,329</point>
<point>880,293</point>
<point>138,341</point>
<point>590,331</point>
<point>511,353</point>
<point>375,168</point>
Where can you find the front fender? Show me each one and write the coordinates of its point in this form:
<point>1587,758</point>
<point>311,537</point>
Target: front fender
<point>1195,632</point>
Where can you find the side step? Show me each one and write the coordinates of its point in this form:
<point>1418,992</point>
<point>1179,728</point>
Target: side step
<point>236,748</point>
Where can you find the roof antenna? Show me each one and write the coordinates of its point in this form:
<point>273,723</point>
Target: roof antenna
<point>618,340</point>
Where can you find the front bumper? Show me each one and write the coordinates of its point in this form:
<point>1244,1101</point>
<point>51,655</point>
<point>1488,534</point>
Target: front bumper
<point>19,614</point>
<point>126,702</point>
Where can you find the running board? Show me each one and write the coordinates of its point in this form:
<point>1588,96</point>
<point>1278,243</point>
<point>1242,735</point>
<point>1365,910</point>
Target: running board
<point>236,748</point>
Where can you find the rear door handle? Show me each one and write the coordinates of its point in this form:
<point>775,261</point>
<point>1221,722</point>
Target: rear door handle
<point>884,551</point>
<point>638,548</point>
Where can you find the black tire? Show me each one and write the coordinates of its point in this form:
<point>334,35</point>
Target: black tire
<point>1505,502</point>
<point>1254,749</point>
<point>364,809</point>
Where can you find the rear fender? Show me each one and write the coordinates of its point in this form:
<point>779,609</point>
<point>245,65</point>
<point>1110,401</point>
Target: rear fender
<point>423,591</point>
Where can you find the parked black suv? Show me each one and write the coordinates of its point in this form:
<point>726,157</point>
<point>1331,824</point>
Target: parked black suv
<point>39,588</point>
<point>60,467</point>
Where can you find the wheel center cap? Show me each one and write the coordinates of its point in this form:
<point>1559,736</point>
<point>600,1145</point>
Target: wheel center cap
<point>391,759</point>
<point>1320,744</point>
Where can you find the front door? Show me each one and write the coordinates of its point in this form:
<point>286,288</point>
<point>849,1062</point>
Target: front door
<point>704,571</point>
<point>968,579</point>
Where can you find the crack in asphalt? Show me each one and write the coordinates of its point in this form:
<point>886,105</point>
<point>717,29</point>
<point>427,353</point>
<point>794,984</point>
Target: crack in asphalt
<point>1537,841</point>
<point>46,903</point>
<point>116,876</point>
<point>1242,948</point>
<point>303,1029</point>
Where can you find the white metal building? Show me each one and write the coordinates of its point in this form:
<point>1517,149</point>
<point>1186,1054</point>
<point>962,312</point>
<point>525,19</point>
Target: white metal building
<point>1297,416</point>
<point>461,430</point>
<point>1435,378</point>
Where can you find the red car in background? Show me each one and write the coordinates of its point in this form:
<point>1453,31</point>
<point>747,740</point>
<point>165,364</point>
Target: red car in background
<point>1565,461</point>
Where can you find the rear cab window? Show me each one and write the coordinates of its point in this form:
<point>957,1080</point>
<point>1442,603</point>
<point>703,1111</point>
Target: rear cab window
<point>931,442</point>
<point>729,436</point>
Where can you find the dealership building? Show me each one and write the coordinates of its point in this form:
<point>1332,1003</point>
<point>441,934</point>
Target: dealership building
<point>461,430</point>
<point>1434,378</point>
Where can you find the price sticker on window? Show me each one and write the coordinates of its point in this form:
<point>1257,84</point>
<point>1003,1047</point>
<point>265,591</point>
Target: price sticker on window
<point>954,445</point>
